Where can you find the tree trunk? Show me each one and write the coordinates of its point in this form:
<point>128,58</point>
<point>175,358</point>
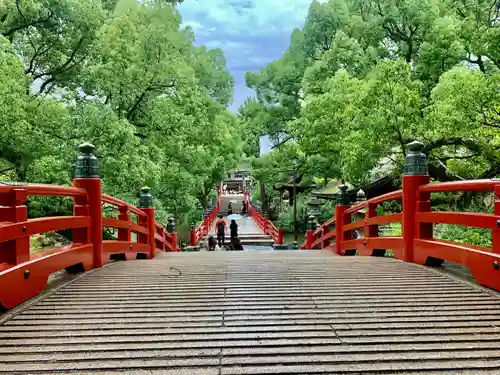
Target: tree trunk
<point>263,198</point>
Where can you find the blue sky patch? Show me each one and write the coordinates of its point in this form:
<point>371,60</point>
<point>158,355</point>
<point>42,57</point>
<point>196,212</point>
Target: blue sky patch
<point>251,33</point>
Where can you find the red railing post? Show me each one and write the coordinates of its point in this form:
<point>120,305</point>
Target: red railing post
<point>161,233</point>
<point>124,234</point>
<point>415,175</point>
<point>340,208</point>
<point>87,177</point>
<point>309,239</point>
<point>192,236</point>
<point>324,229</point>
<point>146,206</point>
<point>281,234</point>
<point>81,208</point>
<point>369,231</point>
<point>173,234</point>
<point>310,232</point>
<point>495,239</point>
<point>174,241</point>
<point>13,210</point>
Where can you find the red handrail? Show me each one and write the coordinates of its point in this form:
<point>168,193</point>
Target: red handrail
<point>264,223</point>
<point>203,228</point>
<point>416,244</point>
<point>23,275</point>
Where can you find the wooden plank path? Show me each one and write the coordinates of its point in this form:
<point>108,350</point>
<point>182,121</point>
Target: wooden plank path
<point>276,312</point>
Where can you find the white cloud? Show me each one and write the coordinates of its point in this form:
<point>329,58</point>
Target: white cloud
<point>251,33</point>
<point>193,24</point>
<point>224,44</point>
<point>244,16</point>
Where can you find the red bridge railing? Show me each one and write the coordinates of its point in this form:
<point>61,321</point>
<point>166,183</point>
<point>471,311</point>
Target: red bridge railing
<point>23,275</point>
<point>416,244</point>
<point>197,233</point>
<point>264,223</point>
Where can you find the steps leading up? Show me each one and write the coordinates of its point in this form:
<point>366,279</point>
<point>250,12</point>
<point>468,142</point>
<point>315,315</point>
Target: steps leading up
<point>236,200</point>
<point>258,239</point>
<point>248,232</point>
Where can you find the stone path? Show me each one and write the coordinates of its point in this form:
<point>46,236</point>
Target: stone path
<point>279,312</point>
<point>250,235</point>
<point>246,226</point>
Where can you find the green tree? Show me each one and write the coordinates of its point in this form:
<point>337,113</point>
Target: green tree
<point>363,78</point>
<point>125,76</point>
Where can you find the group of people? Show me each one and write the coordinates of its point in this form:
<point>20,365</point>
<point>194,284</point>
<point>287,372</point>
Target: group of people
<point>220,226</point>
<point>243,208</point>
<point>227,191</point>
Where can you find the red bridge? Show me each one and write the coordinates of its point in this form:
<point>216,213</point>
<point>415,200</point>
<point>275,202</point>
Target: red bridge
<point>320,310</point>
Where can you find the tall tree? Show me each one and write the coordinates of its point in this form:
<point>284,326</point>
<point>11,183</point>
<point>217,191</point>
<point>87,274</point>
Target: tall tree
<point>126,76</point>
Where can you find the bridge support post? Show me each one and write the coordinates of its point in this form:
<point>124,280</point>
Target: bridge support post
<point>146,206</point>
<point>416,174</point>
<point>87,177</point>
<point>341,219</point>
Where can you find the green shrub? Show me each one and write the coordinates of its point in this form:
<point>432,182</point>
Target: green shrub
<point>285,216</point>
<point>390,230</point>
<point>467,235</point>
<point>463,234</point>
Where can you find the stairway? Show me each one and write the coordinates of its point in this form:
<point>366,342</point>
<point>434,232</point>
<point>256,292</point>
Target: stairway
<point>250,238</point>
<point>237,201</point>
<point>248,233</point>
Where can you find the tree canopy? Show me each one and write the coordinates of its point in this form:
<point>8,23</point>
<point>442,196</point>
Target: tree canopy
<point>362,78</point>
<point>126,76</point>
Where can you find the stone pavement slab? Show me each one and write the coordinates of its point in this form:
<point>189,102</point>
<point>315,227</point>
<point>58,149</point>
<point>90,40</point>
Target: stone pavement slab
<point>257,312</point>
<point>246,226</point>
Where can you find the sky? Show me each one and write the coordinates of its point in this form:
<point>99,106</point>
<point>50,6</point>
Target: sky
<point>251,33</point>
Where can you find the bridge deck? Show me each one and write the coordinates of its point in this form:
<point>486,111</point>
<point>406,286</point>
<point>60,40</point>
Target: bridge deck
<point>257,313</point>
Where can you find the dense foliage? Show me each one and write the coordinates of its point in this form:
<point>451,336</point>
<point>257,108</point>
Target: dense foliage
<point>126,76</point>
<point>364,77</point>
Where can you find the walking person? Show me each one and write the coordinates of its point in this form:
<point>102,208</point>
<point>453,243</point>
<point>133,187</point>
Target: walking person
<point>244,208</point>
<point>220,226</point>
<point>230,209</point>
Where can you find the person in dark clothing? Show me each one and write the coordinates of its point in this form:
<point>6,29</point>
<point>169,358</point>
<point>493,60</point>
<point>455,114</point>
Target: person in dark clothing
<point>220,226</point>
<point>211,243</point>
<point>236,244</point>
<point>230,209</point>
<point>233,227</point>
<point>244,208</point>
